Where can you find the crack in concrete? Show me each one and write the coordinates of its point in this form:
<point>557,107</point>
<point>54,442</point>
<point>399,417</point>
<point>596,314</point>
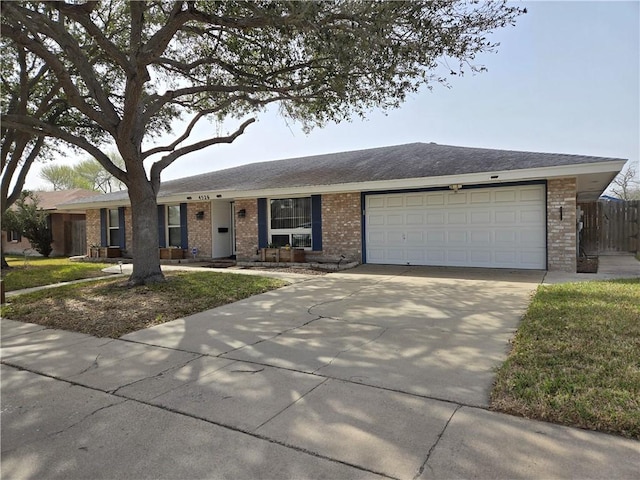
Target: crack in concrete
<point>289,406</point>
<point>355,292</point>
<point>351,348</point>
<point>253,433</point>
<point>90,367</point>
<point>221,355</point>
<point>88,416</point>
<point>248,371</point>
<point>433,447</point>
<point>173,367</point>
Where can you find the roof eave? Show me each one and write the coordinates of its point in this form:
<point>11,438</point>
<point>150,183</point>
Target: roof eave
<point>607,168</point>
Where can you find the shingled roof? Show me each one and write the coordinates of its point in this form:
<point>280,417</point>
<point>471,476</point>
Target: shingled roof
<point>414,160</point>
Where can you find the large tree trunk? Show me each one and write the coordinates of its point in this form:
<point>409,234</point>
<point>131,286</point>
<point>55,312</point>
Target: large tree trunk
<point>146,253</point>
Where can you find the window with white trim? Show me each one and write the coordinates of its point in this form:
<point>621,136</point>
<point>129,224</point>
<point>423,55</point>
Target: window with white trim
<point>290,222</point>
<point>13,236</point>
<point>174,231</point>
<point>113,227</point>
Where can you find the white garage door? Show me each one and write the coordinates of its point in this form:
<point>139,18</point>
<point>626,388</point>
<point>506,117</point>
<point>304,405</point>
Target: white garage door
<point>500,227</point>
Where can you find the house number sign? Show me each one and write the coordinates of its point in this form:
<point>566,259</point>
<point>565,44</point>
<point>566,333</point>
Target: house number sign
<point>203,197</point>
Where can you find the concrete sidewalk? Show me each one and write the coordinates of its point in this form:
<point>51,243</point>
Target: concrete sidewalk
<point>377,372</point>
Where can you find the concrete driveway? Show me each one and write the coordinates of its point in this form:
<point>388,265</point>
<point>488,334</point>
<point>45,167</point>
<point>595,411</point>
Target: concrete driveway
<point>378,371</point>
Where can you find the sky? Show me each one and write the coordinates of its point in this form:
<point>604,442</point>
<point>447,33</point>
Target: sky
<point>565,79</point>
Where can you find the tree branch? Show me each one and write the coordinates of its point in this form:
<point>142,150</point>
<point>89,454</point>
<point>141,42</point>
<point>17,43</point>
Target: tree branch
<point>37,127</point>
<point>167,160</point>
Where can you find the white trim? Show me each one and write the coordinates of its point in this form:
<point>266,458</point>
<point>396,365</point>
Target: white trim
<point>288,231</point>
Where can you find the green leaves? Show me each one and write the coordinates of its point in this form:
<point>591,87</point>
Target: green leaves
<point>31,221</point>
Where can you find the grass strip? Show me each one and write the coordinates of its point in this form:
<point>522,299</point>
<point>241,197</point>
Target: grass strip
<point>39,271</point>
<point>108,308</point>
<point>575,359</point>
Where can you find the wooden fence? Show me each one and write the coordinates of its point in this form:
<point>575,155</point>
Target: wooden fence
<point>610,227</point>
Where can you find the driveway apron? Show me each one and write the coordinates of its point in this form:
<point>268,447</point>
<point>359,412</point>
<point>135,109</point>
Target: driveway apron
<point>355,374</point>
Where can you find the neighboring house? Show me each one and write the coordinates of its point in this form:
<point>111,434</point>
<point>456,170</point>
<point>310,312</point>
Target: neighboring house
<point>415,204</point>
<point>68,227</point>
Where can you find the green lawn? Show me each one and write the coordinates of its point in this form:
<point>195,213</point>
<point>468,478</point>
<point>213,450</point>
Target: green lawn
<point>108,308</point>
<point>576,358</point>
<point>38,271</point>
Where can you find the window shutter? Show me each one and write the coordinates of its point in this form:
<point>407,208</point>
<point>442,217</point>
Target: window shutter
<point>103,228</point>
<point>316,222</point>
<point>184,234</point>
<point>121,231</point>
<point>263,231</point>
<point>162,241</point>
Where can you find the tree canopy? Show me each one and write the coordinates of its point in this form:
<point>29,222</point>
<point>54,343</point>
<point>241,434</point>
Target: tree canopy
<point>88,174</point>
<point>133,68</point>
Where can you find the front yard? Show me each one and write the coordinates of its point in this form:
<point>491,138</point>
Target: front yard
<point>27,272</point>
<point>576,358</point>
<point>107,308</point>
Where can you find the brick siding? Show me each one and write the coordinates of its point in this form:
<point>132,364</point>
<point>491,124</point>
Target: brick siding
<point>93,228</point>
<point>561,233</point>
<point>199,230</point>
<point>342,226</point>
<point>247,229</point>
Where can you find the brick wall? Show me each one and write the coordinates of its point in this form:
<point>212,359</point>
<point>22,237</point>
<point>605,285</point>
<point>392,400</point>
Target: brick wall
<point>247,229</point>
<point>93,228</point>
<point>16,248</point>
<point>199,230</point>
<point>342,225</point>
<point>561,233</point>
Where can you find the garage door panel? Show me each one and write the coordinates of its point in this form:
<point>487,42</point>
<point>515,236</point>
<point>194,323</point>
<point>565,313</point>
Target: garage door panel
<point>531,194</point>
<point>435,256</point>
<point>415,200</point>
<point>480,218</point>
<point>458,198</point>
<point>457,236</point>
<point>457,218</point>
<point>435,237</point>
<point>394,237</point>
<point>375,220</point>
<point>457,257</point>
<point>435,218</point>
<point>505,217</point>
<point>492,227</point>
<point>395,219</point>
<point>480,197</point>
<point>435,198</point>
<point>481,257</point>
<point>482,237</point>
<point>415,219</point>
<point>505,196</point>
<point>395,201</point>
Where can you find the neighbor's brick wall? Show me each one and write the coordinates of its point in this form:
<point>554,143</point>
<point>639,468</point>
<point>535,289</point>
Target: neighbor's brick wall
<point>342,225</point>
<point>247,229</point>
<point>561,234</point>
<point>17,248</point>
<point>93,228</point>
<point>199,230</point>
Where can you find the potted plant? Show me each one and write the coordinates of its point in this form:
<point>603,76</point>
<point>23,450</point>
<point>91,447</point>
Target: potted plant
<point>109,252</point>
<point>94,250</point>
<point>283,254</point>
<point>288,254</point>
<point>171,253</point>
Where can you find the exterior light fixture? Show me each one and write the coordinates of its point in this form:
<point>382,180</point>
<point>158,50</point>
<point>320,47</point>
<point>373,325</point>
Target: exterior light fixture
<point>455,187</point>
<point>242,213</point>
<point>200,215</point>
